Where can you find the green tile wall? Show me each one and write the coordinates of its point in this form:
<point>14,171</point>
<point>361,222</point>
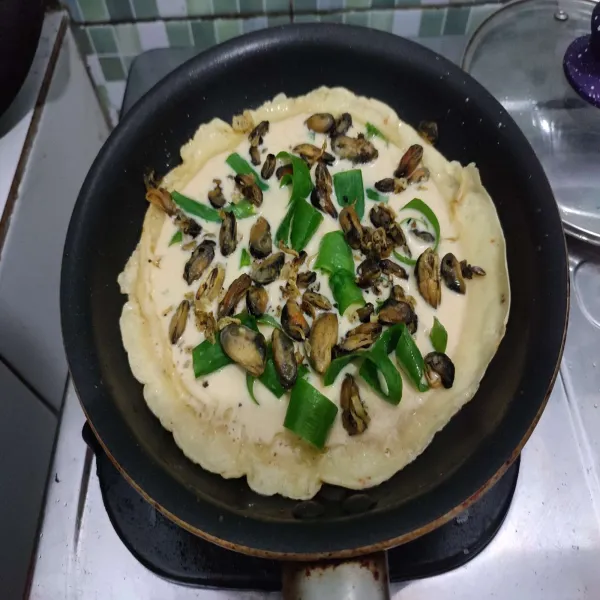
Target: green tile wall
<point>116,31</point>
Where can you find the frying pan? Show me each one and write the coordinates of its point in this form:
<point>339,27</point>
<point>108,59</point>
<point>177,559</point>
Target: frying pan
<point>480,442</point>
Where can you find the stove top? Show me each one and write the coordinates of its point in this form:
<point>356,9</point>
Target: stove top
<point>548,546</point>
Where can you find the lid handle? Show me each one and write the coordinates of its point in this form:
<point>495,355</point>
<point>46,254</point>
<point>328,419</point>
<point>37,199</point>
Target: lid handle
<point>582,62</point>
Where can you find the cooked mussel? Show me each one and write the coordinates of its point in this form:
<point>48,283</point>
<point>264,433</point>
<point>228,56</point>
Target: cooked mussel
<point>260,242</point>
<point>234,294</point>
<point>364,313</point>
<point>452,274</point>
<point>427,272</point>
<point>350,223</point>
<point>293,321</point>
<point>428,130</point>
<point>321,194</point>
<point>391,184</point>
<point>382,216</point>
<point>179,321</point>
<point>355,418</point>
<point>306,278</point>
<point>394,311</point>
<point>423,235</point>
<point>215,196</point>
<point>359,337</point>
<point>284,170</point>
<point>419,175</point>
<point>255,155</point>
<point>187,225</point>
<point>311,154</point>
<point>257,300</point>
<point>249,188</point>
<point>323,337</point>
<point>284,358</point>
<point>256,135</point>
<point>439,370</point>
<point>199,261</point>
<point>410,161</point>
<point>269,269</point>
<point>312,301</point>
<point>376,244</point>
<point>468,271</point>
<point>320,122</point>
<point>368,273</point>
<point>246,347</point>
<point>342,125</point>
<point>268,167</point>
<point>392,269</point>
<point>228,234</point>
<point>206,323</point>
<point>211,287</point>
<point>161,199</point>
<point>357,150</point>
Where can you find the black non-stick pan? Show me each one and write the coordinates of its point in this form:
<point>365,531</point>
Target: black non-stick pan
<point>466,457</point>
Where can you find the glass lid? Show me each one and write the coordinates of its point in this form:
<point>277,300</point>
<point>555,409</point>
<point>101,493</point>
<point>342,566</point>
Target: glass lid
<point>538,59</point>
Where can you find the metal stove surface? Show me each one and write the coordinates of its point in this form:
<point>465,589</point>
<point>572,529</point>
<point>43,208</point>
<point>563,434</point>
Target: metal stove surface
<point>548,546</point>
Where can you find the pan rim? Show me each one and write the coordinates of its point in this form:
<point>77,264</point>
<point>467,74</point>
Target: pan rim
<point>149,488</point>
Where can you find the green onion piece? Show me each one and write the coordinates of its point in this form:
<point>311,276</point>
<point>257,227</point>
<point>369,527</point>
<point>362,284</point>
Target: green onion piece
<point>208,358</point>
<point>195,208</point>
<point>375,195</point>
<point>372,131</point>
<point>411,360</point>
<point>337,364</point>
<point>250,379</point>
<point>301,183</point>
<point>420,206</point>
<point>334,254</point>
<point>285,180</point>
<point>310,415</point>
<point>345,291</point>
<point>242,167</point>
<point>242,210</point>
<point>177,238</point>
<point>305,223</point>
<point>245,260</point>
<point>438,336</point>
<point>268,320</point>
<point>349,189</point>
<point>283,231</point>
<point>303,371</point>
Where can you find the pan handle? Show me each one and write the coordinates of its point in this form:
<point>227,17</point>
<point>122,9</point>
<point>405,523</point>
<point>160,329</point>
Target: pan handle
<point>352,579</point>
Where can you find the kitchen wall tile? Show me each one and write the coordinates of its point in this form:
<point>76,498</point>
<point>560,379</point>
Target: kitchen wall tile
<point>226,7</point>
<point>330,5</point>
<point>382,3</point>
<point>305,6</point>
<point>119,10</point>
<point>172,8</point>
<point>350,4</point>
<point>203,34</point>
<point>103,39</point>
<point>382,20</point>
<point>275,6</point>
<point>357,18</point>
<point>74,10</point>
<point>225,29</point>
<point>153,35</point>
<point>93,10</point>
<point>255,23</point>
<point>128,39</point>
<point>82,39</point>
<point>199,8</point>
<point>478,14</point>
<point>275,20</point>
<point>179,34</point>
<point>457,18</point>
<point>145,9</point>
<point>252,7</point>
<point>407,22</point>
<point>432,22</point>
<point>112,68</point>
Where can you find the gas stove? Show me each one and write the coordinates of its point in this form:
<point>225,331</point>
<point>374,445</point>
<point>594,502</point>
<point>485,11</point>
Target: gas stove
<point>548,546</point>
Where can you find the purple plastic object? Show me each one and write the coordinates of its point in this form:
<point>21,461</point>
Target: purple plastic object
<point>582,62</point>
